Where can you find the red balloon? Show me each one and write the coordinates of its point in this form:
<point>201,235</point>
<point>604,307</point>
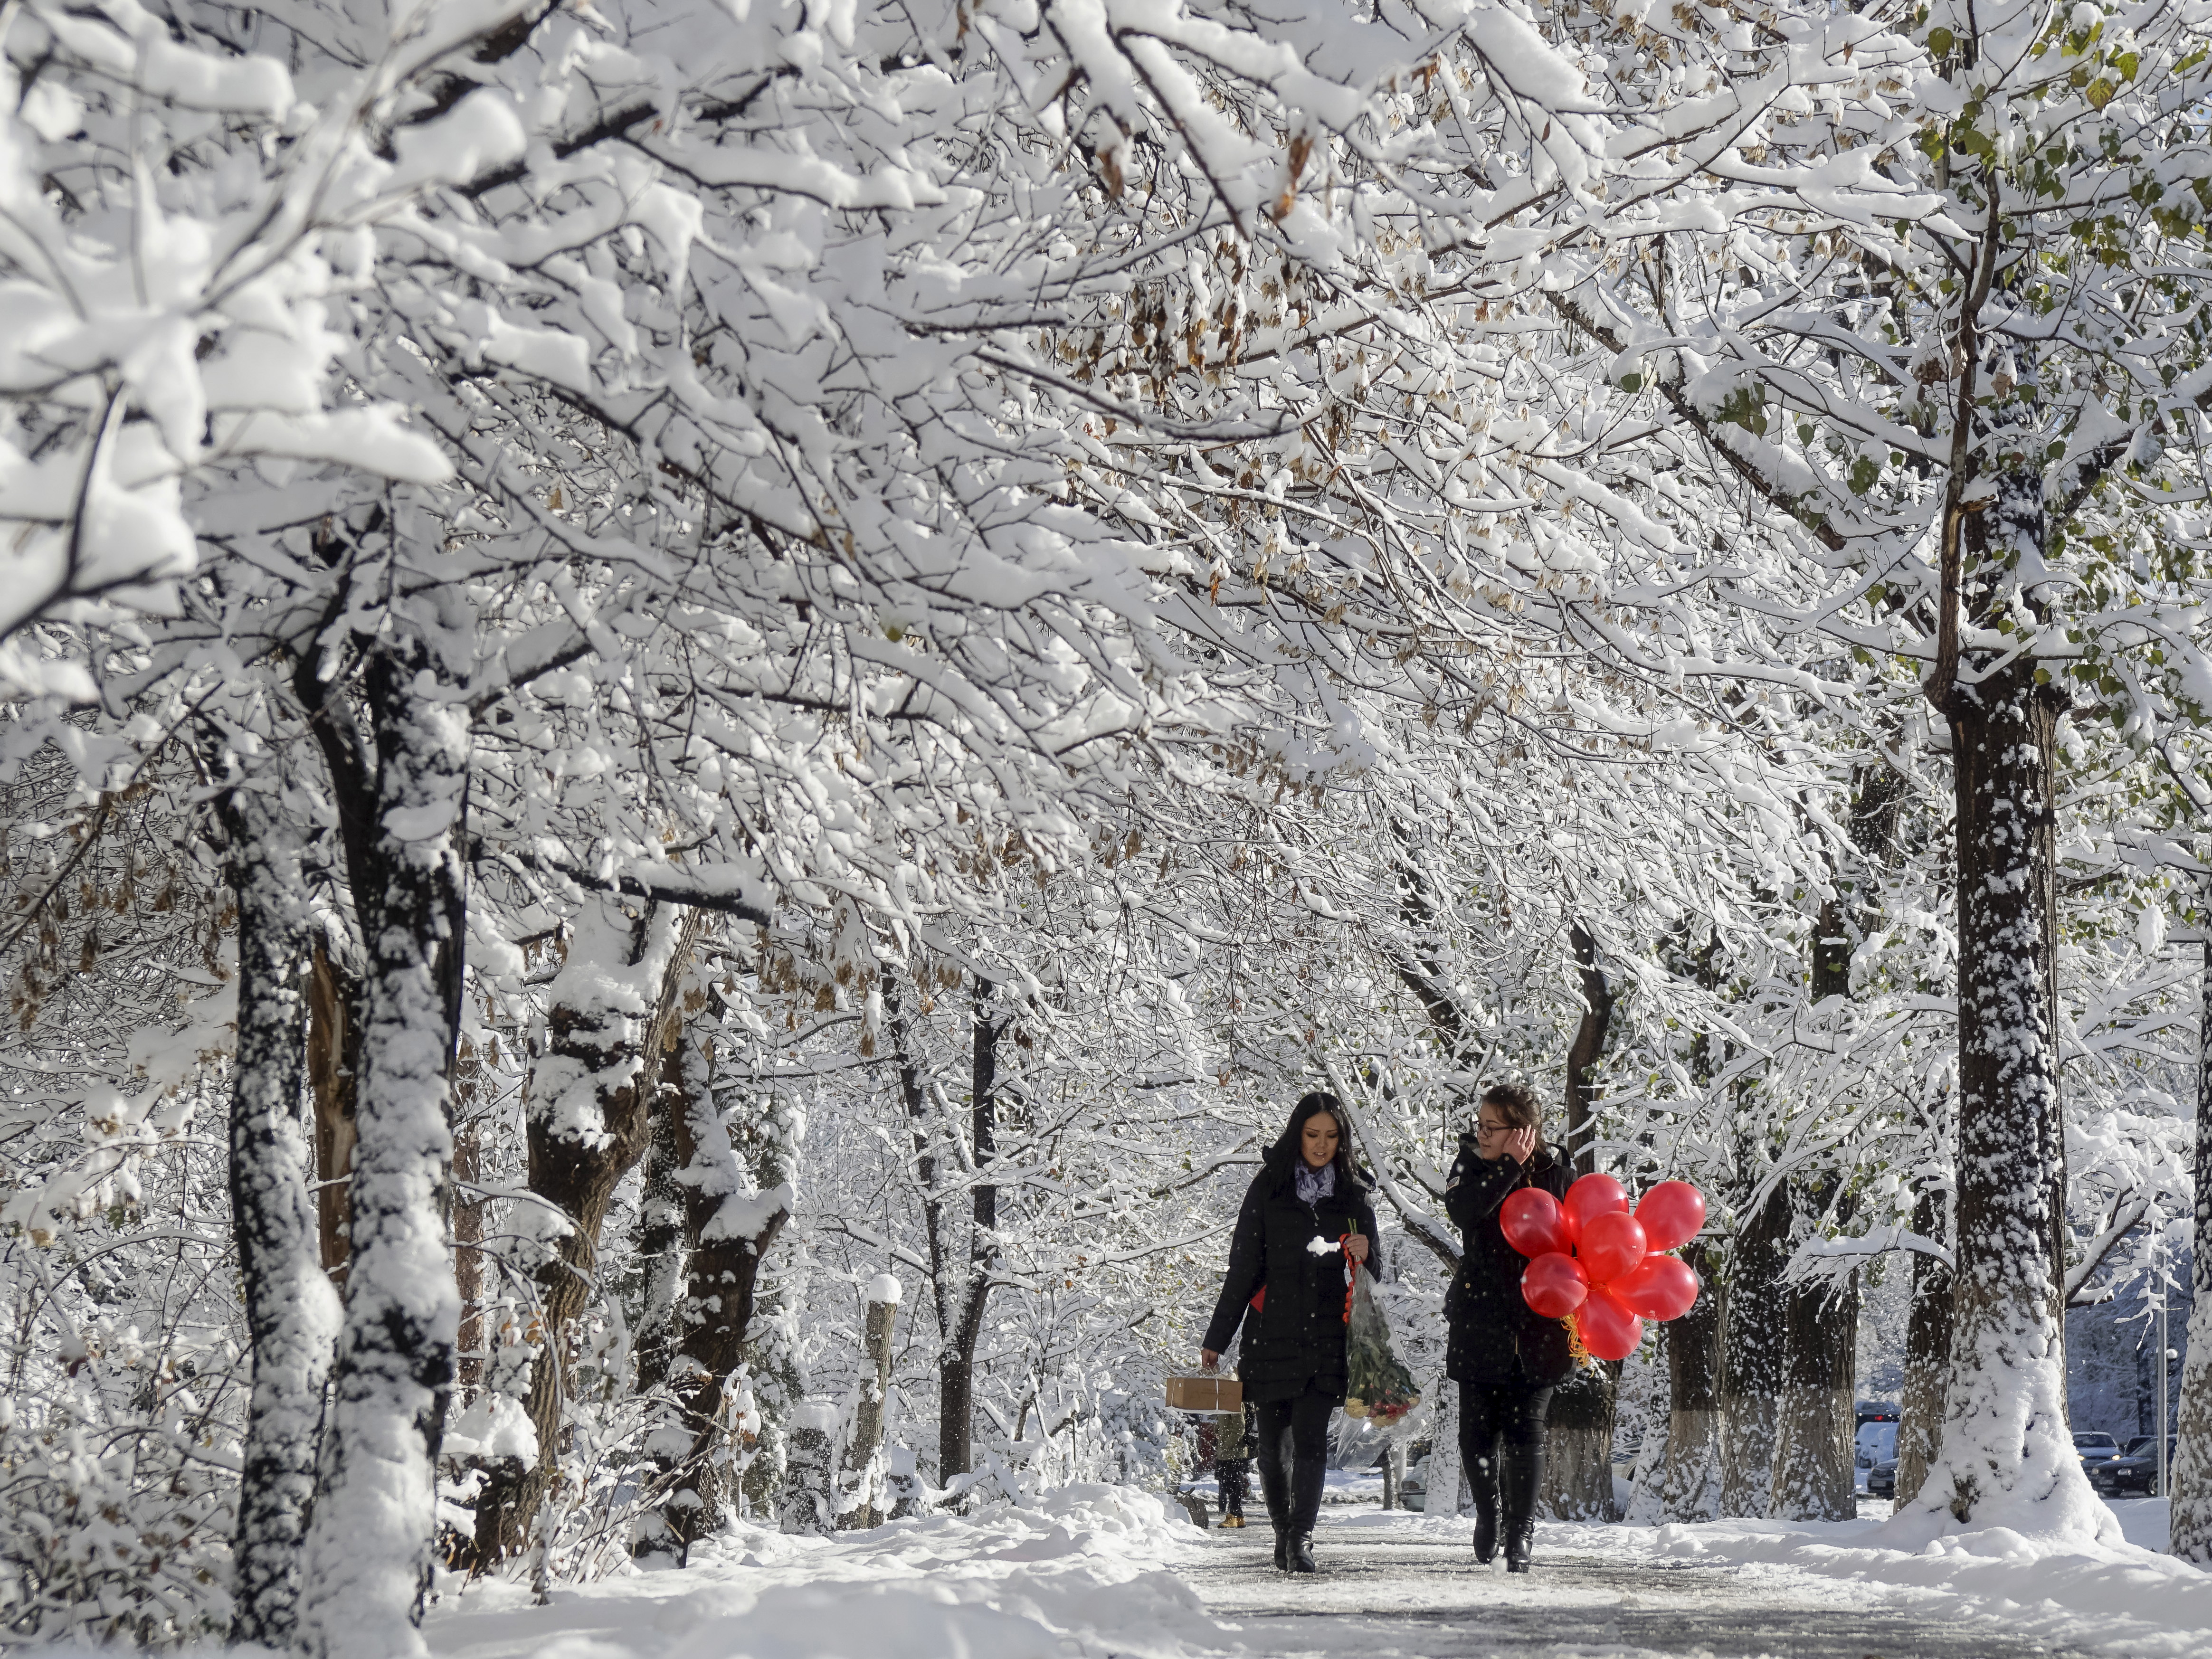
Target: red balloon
<point>1553,1285</point>
<point>1662,1287</point>
<point>1592,1196</point>
<point>1608,1330</point>
<point>1673,1213</point>
<point>1612,1245</point>
<point>1532,1223</point>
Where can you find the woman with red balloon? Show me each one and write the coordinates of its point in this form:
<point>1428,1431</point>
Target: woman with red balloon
<point>1506,1357</point>
<point>1305,1228</point>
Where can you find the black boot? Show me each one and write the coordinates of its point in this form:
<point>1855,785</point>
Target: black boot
<point>1523,1471</point>
<point>1482,1481</point>
<point>1275,1490</point>
<point>1306,1480</point>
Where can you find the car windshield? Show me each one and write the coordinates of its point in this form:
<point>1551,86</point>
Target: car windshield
<point>2095,1442</point>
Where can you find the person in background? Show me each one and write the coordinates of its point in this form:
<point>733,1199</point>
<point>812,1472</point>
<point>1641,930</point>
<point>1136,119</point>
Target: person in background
<point>1305,1224</point>
<point>1232,1462</point>
<point>1506,1356</point>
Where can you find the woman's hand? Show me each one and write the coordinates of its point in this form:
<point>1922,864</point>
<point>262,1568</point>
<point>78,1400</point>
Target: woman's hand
<point>1355,1247</point>
<point>1207,1359</point>
<point>1521,1145</point>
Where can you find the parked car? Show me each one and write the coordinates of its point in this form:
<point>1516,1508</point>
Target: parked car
<point>2135,1470</point>
<point>2094,1451</point>
<point>1881,1478</point>
<point>1876,1440</point>
<point>1876,1411</point>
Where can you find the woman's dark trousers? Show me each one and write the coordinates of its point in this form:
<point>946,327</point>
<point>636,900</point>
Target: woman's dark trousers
<point>1501,1445</point>
<point>1293,1463</point>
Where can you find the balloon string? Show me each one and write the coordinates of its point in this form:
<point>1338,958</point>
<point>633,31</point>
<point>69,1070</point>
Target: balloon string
<point>1581,1356</point>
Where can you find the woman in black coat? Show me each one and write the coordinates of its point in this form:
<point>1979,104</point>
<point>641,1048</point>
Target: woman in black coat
<point>1305,1211</point>
<point>1506,1356</point>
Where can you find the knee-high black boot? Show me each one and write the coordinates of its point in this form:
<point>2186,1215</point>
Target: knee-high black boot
<point>1275,1488</point>
<point>1306,1478</point>
<point>1522,1472</point>
<point>1482,1481</point>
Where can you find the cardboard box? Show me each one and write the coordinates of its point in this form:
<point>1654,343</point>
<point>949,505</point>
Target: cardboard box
<point>1208,1391</point>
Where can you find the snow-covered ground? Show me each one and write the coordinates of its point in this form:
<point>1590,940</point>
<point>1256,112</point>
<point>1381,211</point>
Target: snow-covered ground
<point>1097,1571</point>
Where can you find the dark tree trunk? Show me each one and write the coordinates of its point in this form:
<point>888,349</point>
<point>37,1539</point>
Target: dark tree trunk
<point>1583,1053</point>
<point>334,1026</point>
<point>368,1545</point>
<point>1578,1446</point>
<point>727,1226</point>
<point>1817,1421</point>
<point>1753,1343</point>
<point>956,1371</point>
<point>2191,1474</point>
<point>591,1120</point>
<point>2007,1385</point>
<point>1927,1349</point>
<point>291,1312</point>
<point>1690,1490</point>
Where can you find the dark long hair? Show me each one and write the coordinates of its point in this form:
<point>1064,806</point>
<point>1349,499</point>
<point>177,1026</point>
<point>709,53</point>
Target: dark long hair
<point>1288,1151</point>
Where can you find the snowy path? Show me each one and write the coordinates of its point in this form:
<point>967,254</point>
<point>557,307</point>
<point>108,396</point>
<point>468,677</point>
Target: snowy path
<point>1391,1586</point>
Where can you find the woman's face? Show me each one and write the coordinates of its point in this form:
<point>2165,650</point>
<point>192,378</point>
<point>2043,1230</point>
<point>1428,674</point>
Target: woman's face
<point>1318,1140</point>
<point>1491,1126</point>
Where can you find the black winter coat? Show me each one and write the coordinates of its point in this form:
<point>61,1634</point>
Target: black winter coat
<point>1496,1337</point>
<point>1297,1339</point>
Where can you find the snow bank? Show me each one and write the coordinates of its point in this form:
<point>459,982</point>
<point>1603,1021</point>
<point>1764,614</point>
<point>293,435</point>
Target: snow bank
<point>2099,1597</point>
<point>1080,1573</point>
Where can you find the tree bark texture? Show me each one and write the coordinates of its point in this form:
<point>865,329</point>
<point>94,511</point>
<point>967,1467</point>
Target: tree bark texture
<point>2191,1476</point>
<point>1584,1052</point>
<point>2004,1429</point>
<point>725,1224</point>
<point>956,1369</point>
<point>1753,1343</point>
<point>334,1027</point>
<point>614,1015</point>
<point>1927,1349</point>
<point>368,1547</point>
<point>1578,1447</point>
<point>1817,1420</point>
<point>1443,1477</point>
<point>867,1441</point>
<point>1690,1487</point>
<point>292,1312</point>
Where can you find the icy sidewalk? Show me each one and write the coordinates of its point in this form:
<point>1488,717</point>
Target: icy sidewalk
<point>1083,1575</point>
<point>1098,1572</point>
<point>2119,1599</point>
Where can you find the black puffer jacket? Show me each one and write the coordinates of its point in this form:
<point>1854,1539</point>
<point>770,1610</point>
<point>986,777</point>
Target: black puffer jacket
<point>1297,1336</point>
<point>1496,1337</point>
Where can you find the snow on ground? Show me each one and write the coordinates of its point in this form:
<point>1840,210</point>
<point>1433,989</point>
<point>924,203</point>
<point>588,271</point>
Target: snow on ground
<point>1085,1572</point>
<point>1094,1572</point>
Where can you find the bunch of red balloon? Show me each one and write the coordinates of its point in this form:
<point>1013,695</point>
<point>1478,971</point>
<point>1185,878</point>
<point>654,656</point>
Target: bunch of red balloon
<point>1607,1269</point>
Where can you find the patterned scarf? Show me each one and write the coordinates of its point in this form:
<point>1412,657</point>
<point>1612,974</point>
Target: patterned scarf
<point>1315,1185</point>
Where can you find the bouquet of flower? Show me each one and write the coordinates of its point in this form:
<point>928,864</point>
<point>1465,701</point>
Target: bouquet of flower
<point>1381,1389</point>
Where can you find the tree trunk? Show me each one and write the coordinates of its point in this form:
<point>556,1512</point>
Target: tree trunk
<point>1691,1489</point>
<point>368,1545</point>
<point>1578,1447</point>
<point>1443,1477</point>
<point>809,1502</point>
<point>614,1016</point>
<point>468,1227</point>
<point>1583,1053</point>
<point>883,1305</point>
<point>334,1026</point>
<point>1927,1350</point>
<point>2191,1474</point>
<point>956,1371</point>
<point>292,1312</point>
<point>1751,1348</point>
<point>727,1225</point>
<point>1817,1419</point>
<point>2004,1428</point>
